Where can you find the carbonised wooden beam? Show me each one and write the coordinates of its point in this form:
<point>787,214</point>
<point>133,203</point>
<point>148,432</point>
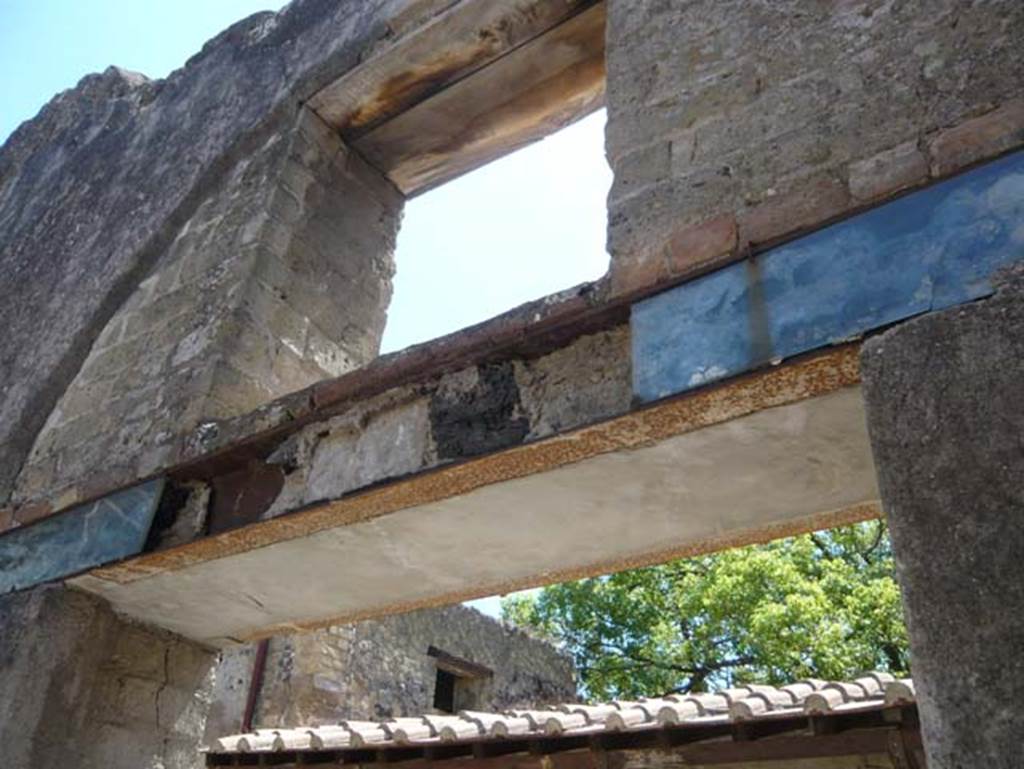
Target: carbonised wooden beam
<point>458,665</point>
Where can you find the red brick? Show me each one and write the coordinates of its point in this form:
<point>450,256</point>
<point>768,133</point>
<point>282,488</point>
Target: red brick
<point>888,172</point>
<point>701,245</point>
<point>637,275</point>
<point>32,512</point>
<point>979,139</point>
<point>808,204</point>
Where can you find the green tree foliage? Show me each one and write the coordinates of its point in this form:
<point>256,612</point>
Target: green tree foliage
<point>823,605</point>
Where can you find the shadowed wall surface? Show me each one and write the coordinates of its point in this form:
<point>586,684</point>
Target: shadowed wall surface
<point>944,396</point>
<point>81,687</point>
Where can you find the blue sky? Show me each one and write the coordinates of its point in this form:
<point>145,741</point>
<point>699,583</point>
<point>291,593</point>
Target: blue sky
<point>524,226</point>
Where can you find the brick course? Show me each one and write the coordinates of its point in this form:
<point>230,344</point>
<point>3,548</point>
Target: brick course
<point>792,114</point>
<point>809,203</point>
<point>888,172</point>
<point>982,137</point>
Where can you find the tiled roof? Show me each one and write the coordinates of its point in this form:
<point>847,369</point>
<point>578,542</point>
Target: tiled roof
<point>739,705</point>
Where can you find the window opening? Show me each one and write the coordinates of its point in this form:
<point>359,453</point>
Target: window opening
<point>524,226</point>
<point>444,691</point>
<point>823,606</point>
<point>459,684</point>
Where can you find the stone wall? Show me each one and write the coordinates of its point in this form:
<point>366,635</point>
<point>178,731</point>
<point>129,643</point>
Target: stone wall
<point>466,413</point>
<point>472,410</point>
<point>119,182</point>
<point>80,687</point>
<point>732,124</point>
<point>280,279</point>
<point>381,669</point>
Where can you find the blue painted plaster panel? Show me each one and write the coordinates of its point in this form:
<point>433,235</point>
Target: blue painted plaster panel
<point>928,250</point>
<point>107,530</point>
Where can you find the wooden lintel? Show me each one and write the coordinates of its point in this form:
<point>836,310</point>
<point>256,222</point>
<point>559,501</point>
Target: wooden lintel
<point>529,93</point>
<point>453,45</point>
<point>458,665</point>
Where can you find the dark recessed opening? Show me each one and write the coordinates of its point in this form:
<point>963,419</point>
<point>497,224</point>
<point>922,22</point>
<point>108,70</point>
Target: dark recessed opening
<point>444,691</point>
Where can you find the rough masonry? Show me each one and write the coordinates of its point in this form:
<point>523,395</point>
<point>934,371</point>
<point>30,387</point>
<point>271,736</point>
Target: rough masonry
<point>243,307</point>
<point>209,249</point>
<point>208,257</point>
<point>79,684</point>
<point>732,125</point>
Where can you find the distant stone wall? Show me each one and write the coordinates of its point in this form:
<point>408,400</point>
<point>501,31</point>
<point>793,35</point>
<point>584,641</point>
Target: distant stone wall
<point>732,124</point>
<point>81,688</point>
<point>381,669</point>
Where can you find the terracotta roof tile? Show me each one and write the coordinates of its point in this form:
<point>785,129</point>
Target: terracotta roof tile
<point>626,718</point>
<point>899,692</point>
<point>405,731</point>
<point>455,728</point>
<point>737,704</point>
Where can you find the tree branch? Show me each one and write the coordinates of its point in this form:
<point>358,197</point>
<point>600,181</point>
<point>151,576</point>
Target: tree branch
<point>822,547</point>
<point>866,555</point>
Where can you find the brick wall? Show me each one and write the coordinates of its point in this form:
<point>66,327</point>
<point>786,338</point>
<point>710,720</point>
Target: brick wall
<point>733,124</point>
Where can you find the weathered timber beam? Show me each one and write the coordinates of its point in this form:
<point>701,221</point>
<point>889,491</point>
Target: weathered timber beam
<point>522,97</point>
<point>458,665</point>
<point>457,43</point>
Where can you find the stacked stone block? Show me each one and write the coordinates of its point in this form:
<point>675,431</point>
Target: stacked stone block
<point>96,188</point>
<point>81,687</point>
